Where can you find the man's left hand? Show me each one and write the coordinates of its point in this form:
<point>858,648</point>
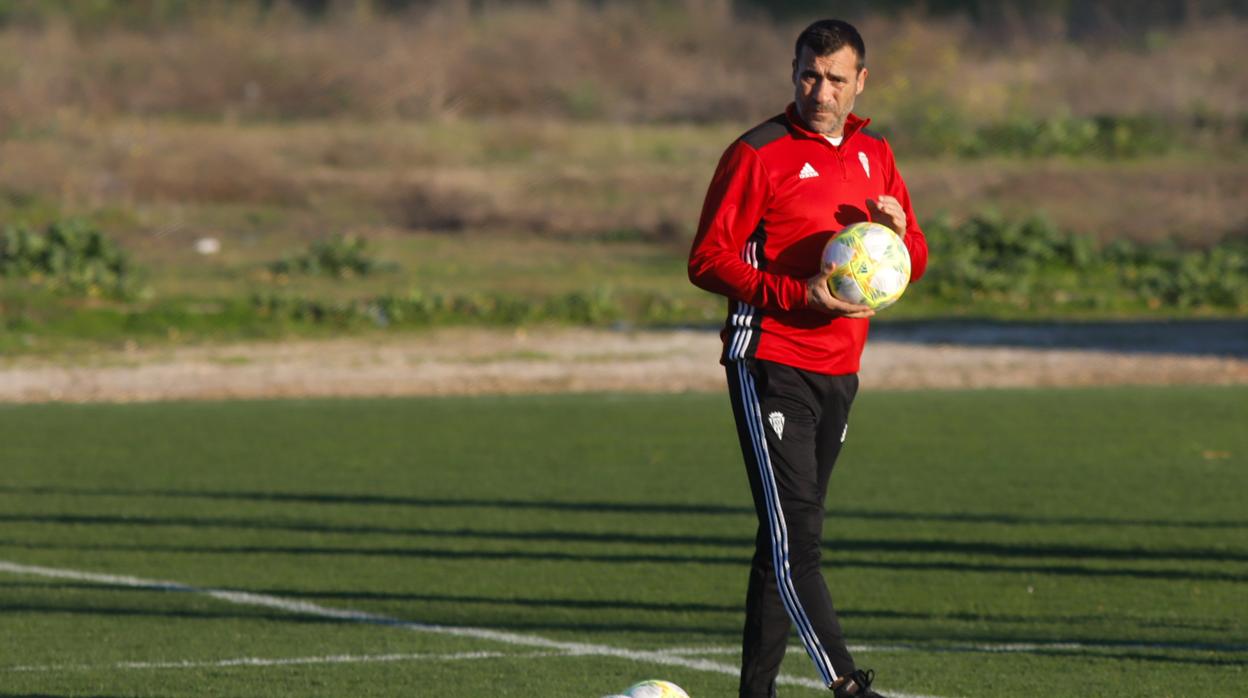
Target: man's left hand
<point>887,210</point>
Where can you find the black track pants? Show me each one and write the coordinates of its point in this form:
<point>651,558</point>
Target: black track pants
<point>791,424</point>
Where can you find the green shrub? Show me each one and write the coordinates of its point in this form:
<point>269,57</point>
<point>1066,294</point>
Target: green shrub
<point>1030,263</point>
<point>1217,277</point>
<point>936,128</point>
<point>421,309</point>
<point>69,256</point>
<point>1099,136</point>
<point>339,256</point>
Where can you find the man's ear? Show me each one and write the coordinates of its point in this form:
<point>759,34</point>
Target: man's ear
<point>862,81</point>
<point>794,71</point>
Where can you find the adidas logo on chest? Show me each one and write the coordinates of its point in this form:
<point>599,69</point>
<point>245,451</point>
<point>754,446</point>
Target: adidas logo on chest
<point>808,170</point>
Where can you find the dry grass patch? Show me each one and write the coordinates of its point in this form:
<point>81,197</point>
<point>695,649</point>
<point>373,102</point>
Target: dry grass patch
<point>614,181</point>
<point>695,60</point>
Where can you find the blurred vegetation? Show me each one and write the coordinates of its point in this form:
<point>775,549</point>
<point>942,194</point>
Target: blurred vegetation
<point>1075,16</point>
<point>339,256</point>
<point>1175,65</point>
<point>536,162</point>
<point>71,257</point>
<point>1031,264</point>
<point>935,132</point>
<point>988,266</point>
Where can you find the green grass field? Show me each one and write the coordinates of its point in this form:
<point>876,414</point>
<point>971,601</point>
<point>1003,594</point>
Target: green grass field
<point>998,543</point>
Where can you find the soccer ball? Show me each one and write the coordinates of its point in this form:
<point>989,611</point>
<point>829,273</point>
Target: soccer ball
<point>872,265</point>
<point>653,689</point>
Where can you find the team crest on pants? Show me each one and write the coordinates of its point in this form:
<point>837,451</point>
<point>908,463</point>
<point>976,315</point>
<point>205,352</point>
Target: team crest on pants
<point>777,423</point>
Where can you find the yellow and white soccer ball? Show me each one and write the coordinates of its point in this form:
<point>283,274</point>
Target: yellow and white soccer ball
<point>872,265</point>
<point>652,688</point>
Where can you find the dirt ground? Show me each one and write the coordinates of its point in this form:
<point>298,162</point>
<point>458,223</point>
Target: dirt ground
<point>480,361</point>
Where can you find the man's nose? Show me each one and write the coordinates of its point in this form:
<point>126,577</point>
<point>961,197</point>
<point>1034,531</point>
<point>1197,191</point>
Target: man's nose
<point>824,91</point>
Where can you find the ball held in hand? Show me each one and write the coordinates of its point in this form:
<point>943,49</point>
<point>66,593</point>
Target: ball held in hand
<point>872,265</point>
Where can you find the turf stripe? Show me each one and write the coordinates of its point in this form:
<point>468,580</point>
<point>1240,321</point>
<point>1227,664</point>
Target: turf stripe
<point>302,607</point>
<point>992,648</point>
<point>1019,647</point>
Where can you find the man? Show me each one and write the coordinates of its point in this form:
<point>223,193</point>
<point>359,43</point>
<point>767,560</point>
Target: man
<point>792,349</point>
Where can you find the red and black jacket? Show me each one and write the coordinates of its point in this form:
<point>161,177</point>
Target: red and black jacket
<point>779,193</point>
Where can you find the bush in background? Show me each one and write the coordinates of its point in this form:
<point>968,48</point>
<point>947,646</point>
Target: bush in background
<point>339,256</point>
<point>424,309</point>
<point>1031,264</point>
<point>70,256</point>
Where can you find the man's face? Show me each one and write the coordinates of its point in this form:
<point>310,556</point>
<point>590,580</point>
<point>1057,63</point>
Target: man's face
<point>825,88</point>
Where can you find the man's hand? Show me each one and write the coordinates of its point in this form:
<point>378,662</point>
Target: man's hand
<point>819,297</point>
<point>887,210</point>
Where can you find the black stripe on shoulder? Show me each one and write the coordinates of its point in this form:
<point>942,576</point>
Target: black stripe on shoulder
<point>767,132</point>
<point>871,134</point>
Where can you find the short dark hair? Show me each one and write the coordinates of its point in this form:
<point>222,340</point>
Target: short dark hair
<point>829,36</point>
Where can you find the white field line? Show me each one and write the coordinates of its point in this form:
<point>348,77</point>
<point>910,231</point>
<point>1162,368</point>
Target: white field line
<point>282,661</point>
<point>462,656</point>
<point>305,608</point>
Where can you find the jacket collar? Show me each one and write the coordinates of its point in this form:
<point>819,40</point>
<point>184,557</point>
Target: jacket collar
<point>853,124</point>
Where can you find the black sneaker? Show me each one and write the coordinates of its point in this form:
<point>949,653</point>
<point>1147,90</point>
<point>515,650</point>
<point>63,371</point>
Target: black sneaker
<point>857,685</point>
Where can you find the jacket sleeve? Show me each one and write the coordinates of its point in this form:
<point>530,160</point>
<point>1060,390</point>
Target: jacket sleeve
<point>734,206</point>
<point>914,239</point>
